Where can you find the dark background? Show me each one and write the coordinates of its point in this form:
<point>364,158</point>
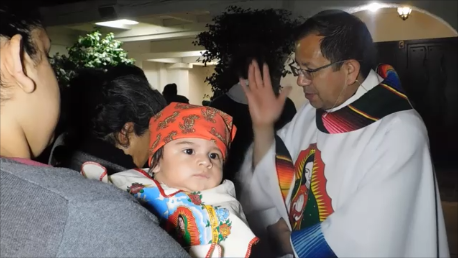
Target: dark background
<point>428,71</point>
<point>44,3</point>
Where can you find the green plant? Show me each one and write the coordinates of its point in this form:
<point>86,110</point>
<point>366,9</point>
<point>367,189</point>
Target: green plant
<point>91,50</point>
<point>64,69</point>
<point>269,31</point>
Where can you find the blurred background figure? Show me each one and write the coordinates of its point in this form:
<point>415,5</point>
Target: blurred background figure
<point>170,94</point>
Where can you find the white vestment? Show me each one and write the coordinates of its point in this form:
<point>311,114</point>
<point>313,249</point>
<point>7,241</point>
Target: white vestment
<point>363,183</point>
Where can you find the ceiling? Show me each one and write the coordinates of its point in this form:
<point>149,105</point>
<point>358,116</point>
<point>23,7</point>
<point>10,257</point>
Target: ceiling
<point>167,30</point>
<point>48,3</point>
<point>150,28</point>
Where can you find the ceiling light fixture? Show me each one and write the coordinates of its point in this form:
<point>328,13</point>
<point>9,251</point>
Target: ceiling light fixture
<point>404,12</point>
<point>117,23</point>
<point>374,7</point>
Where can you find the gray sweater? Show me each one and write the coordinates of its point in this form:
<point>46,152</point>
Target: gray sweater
<point>55,212</point>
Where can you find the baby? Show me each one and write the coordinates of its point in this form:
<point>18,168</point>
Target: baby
<point>182,187</point>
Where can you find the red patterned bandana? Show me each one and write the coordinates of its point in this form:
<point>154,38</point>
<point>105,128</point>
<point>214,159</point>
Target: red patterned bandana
<point>179,120</point>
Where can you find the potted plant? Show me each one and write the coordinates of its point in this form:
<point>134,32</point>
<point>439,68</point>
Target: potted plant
<point>91,50</point>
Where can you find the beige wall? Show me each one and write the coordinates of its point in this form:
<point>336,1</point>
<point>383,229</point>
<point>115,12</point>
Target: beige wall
<point>137,46</point>
<point>197,87</point>
<point>62,50</point>
<point>173,45</point>
<point>60,40</point>
<point>386,25</point>
<point>152,72</point>
<point>181,78</point>
<point>190,82</point>
<point>160,74</point>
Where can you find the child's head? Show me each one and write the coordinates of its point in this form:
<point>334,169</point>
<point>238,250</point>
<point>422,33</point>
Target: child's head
<point>188,146</point>
<point>113,105</point>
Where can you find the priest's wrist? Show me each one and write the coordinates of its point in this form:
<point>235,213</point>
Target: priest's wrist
<point>266,130</point>
<point>263,139</point>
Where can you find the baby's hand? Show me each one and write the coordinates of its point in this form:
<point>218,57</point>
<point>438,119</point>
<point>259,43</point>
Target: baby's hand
<point>280,235</point>
<point>94,171</point>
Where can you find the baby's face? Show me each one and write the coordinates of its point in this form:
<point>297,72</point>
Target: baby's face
<point>190,164</point>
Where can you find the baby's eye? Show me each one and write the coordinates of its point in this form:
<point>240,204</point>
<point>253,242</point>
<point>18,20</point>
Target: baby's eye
<point>189,151</point>
<point>214,155</point>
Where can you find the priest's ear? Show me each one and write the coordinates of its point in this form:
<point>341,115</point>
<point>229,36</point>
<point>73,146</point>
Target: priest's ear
<point>352,69</point>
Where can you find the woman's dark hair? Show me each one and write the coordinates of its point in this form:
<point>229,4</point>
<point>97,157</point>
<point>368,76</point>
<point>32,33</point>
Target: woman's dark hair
<point>125,69</point>
<point>240,62</point>
<point>101,102</point>
<point>17,18</point>
<point>345,37</point>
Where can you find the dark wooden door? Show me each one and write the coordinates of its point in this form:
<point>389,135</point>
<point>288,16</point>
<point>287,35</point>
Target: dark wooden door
<point>428,72</point>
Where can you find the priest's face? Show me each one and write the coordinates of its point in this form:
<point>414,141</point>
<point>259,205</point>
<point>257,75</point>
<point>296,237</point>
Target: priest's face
<point>325,85</point>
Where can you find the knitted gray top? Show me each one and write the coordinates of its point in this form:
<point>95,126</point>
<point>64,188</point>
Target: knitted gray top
<point>55,212</point>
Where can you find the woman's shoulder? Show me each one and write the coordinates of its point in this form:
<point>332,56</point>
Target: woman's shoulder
<point>67,183</point>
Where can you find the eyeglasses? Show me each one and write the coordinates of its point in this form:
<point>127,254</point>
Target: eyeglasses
<point>308,73</point>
